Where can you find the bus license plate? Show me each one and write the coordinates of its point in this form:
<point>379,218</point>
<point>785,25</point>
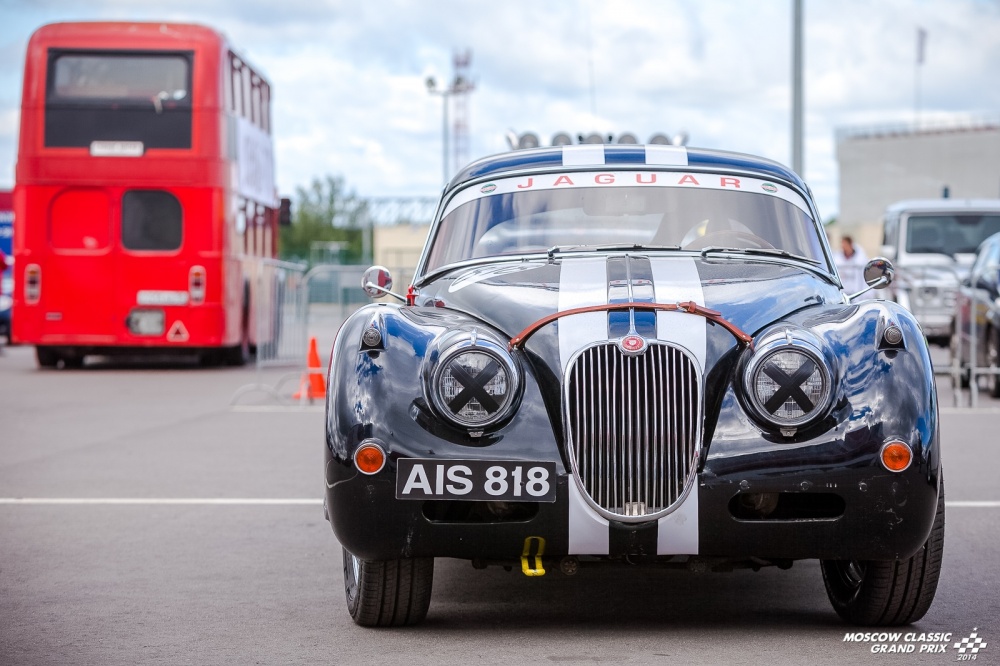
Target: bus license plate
<point>490,480</point>
<point>146,322</point>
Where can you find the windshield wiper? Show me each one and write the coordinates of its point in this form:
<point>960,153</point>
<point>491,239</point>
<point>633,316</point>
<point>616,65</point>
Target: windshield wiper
<point>765,251</point>
<point>612,246</point>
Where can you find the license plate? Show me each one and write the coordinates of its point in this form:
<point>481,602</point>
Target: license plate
<point>146,321</point>
<point>490,480</point>
<point>117,148</point>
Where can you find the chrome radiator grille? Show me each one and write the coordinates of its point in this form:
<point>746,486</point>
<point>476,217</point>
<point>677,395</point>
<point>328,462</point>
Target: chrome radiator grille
<point>633,426</point>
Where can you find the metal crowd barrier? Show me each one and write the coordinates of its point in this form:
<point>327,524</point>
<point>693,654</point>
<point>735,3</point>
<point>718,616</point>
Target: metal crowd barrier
<point>310,304</point>
<point>282,314</point>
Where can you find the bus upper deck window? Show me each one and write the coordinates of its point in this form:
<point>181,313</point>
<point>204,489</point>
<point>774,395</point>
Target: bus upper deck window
<point>151,220</point>
<point>117,95</point>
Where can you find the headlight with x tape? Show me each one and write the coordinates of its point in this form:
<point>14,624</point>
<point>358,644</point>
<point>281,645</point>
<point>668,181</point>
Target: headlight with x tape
<point>473,381</point>
<point>788,382</point>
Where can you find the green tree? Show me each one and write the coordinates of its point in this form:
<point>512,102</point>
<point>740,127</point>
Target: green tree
<point>326,211</point>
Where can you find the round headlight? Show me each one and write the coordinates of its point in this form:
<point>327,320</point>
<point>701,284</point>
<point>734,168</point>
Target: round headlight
<point>788,383</point>
<point>474,383</point>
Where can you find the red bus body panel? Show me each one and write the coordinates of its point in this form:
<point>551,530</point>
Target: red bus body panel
<point>68,207</point>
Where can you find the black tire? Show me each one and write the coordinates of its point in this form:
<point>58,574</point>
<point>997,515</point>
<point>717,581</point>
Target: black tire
<point>892,593</point>
<point>391,593</point>
<point>240,354</point>
<point>47,358</point>
<point>72,361</point>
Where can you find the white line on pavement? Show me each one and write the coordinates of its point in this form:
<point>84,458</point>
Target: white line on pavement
<point>961,504</point>
<point>245,501</point>
<point>159,500</point>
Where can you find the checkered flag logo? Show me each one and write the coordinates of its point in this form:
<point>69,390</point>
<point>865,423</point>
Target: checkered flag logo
<point>972,645</point>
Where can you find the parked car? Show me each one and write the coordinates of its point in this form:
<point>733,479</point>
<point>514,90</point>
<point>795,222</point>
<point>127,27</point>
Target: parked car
<point>977,333</point>
<point>6,293</point>
<point>632,355</point>
<point>932,243</point>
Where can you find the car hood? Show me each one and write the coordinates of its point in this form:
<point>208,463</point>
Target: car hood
<point>510,296</point>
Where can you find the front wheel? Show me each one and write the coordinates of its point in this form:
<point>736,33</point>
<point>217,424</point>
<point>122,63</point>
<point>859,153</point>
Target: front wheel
<point>879,593</point>
<point>390,593</point>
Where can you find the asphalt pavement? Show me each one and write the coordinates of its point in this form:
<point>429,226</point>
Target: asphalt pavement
<point>145,519</point>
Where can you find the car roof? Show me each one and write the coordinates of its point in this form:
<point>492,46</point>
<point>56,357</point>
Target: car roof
<point>611,156</point>
<point>944,205</point>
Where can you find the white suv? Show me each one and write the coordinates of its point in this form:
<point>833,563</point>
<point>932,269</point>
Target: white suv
<point>932,243</point>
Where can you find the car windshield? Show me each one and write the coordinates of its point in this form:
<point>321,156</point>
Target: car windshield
<point>949,234</point>
<point>648,210</point>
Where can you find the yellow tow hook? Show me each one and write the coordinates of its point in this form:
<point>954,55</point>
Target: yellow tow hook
<point>526,557</point>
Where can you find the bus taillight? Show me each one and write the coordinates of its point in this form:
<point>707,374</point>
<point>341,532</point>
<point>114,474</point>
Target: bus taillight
<point>196,285</point>
<point>32,284</point>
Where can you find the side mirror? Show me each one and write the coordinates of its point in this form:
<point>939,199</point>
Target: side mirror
<point>879,273</point>
<point>377,282</point>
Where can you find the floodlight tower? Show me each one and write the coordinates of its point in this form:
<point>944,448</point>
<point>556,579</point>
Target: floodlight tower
<point>460,129</point>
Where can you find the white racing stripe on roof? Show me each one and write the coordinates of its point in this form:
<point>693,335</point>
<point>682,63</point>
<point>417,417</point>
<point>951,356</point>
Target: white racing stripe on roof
<point>667,155</point>
<point>583,155</point>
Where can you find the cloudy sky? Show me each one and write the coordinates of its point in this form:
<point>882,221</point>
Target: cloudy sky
<point>348,77</point>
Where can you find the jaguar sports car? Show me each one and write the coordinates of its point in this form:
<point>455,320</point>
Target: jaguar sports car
<point>632,355</point>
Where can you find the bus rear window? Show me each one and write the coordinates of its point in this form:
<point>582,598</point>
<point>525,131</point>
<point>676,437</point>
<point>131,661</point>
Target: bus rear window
<point>78,76</point>
<point>151,220</point>
<point>143,97</point>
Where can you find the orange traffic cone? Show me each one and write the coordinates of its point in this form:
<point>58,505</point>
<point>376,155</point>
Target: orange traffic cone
<point>312,384</point>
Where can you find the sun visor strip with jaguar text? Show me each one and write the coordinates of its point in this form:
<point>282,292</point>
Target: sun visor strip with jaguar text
<point>637,178</point>
<point>597,281</point>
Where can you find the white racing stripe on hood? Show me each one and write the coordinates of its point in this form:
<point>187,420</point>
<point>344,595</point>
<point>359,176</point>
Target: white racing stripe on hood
<point>583,282</point>
<point>676,280</point>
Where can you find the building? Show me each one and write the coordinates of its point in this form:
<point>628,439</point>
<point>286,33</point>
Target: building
<point>879,165</point>
<point>398,248</point>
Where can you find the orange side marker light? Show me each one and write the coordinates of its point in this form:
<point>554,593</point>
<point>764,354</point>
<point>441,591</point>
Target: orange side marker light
<point>896,456</point>
<point>369,458</point>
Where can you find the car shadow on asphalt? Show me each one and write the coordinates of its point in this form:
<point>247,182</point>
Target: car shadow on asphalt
<point>622,596</point>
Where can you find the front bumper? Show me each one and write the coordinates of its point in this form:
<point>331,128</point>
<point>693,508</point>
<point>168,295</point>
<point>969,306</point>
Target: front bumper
<point>883,516</point>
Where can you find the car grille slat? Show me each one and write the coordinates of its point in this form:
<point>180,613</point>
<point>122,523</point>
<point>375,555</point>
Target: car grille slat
<point>634,426</point>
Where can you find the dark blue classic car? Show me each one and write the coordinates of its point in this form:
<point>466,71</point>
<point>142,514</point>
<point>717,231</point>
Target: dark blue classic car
<point>633,355</point>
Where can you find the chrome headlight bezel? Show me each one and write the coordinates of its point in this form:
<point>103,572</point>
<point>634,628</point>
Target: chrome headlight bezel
<point>764,359</point>
<point>439,365</point>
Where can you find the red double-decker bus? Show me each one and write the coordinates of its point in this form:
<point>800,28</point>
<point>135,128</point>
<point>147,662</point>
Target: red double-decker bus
<point>145,202</point>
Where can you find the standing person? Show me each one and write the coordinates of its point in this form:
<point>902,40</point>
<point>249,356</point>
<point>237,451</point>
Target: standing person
<point>850,261</point>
